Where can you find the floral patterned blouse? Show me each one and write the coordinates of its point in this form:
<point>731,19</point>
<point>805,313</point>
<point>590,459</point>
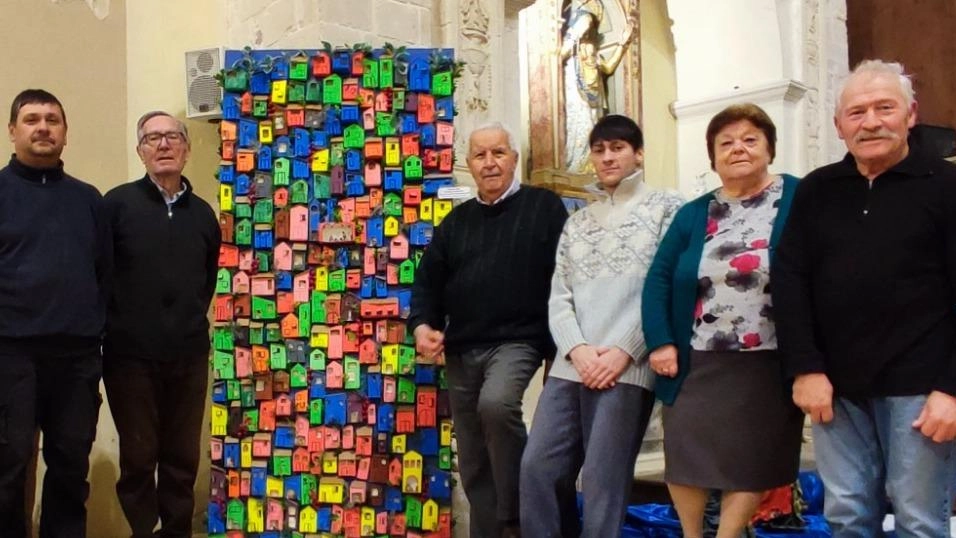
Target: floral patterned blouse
<point>734,311</point>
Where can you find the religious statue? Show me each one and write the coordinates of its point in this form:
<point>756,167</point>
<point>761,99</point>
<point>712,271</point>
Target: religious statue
<point>585,77</point>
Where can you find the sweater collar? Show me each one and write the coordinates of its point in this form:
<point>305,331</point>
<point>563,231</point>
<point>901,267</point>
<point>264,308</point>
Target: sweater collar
<point>501,205</point>
<point>628,189</point>
<point>38,175</point>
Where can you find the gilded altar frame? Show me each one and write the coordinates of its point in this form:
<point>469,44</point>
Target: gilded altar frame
<point>547,130</point>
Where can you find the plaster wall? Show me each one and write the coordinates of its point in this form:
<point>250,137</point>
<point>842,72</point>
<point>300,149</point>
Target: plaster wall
<point>67,50</point>
<point>784,55</point>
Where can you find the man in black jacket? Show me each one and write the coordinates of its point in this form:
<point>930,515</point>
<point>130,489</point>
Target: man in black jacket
<point>481,294</point>
<point>166,247</point>
<point>864,284</point>
<point>54,269</point>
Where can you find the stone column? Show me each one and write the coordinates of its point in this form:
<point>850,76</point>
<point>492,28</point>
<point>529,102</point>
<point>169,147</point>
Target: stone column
<point>484,35</point>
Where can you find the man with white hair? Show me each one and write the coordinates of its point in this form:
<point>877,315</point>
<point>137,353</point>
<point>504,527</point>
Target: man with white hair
<point>864,284</point>
<point>481,296</point>
<point>155,366</point>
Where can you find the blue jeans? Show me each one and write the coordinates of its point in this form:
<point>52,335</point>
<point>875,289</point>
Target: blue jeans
<point>869,454</point>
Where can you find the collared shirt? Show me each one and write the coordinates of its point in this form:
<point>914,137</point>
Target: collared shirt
<point>513,188</point>
<point>170,199</point>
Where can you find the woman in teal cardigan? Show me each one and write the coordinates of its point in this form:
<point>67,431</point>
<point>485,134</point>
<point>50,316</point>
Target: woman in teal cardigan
<point>708,320</point>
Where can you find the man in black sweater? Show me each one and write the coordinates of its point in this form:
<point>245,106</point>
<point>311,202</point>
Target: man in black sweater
<point>166,248</point>
<point>481,296</point>
<point>864,284</point>
<point>54,270</point>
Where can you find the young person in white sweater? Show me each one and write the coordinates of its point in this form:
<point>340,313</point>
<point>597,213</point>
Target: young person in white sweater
<point>596,403</point>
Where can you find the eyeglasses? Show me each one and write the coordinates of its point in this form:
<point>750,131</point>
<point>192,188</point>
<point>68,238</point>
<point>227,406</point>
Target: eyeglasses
<point>173,138</point>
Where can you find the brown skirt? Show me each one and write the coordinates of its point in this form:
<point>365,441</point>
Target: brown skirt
<point>733,425</point>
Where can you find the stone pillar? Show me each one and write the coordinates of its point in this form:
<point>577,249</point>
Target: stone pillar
<point>484,35</point>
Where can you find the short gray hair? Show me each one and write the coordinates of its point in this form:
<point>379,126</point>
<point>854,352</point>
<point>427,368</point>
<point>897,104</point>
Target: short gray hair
<point>875,68</point>
<point>154,114</point>
<point>496,126</point>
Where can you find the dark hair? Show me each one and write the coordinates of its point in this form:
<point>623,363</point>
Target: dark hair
<point>616,127</point>
<point>29,97</point>
<point>734,113</point>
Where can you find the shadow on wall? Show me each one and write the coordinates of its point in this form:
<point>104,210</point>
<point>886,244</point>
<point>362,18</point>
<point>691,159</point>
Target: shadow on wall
<point>106,518</point>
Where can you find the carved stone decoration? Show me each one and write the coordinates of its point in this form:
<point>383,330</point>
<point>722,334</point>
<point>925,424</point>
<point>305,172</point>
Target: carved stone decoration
<point>475,88</point>
<point>812,73</point>
<point>835,51</point>
<point>825,63</point>
<point>474,22</point>
<point>475,82</point>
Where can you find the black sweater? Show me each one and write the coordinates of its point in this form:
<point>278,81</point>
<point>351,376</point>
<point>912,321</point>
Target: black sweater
<point>54,262</point>
<point>864,280</point>
<point>488,272</point>
<point>165,273</point>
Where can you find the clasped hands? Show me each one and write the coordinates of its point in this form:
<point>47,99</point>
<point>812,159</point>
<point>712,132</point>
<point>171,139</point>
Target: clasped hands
<point>599,367</point>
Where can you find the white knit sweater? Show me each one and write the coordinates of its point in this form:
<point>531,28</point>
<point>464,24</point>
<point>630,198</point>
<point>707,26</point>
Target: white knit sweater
<point>602,260</point>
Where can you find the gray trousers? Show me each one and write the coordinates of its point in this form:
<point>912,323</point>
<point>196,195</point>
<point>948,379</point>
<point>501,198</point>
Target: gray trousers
<point>596,432</point>
<point>486,387</point>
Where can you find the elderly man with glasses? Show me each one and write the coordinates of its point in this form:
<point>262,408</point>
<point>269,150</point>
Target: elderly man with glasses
<point>155,367</point>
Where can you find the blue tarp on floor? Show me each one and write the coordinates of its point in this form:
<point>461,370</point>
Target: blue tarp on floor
<point>660,520</point>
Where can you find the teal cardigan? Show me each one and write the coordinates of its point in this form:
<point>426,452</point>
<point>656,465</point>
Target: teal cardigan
<point>670,291</point>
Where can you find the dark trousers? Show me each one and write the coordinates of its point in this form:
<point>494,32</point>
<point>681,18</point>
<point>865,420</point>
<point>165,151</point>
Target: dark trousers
<point>595,432</point>
<point>486,387</point>
<point>158,411</point>
<point>60,396</point>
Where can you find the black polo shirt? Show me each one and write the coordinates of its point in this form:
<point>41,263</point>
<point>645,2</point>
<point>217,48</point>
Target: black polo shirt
<point>864,281</point>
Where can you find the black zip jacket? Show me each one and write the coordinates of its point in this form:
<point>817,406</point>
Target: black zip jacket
<point>54,262</point>
<point>165,273</point>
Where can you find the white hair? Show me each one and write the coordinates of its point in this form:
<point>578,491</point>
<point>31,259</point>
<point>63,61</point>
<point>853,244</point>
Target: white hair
<point>496,126</point>
<point>157,113</point>
<point>875,68</point>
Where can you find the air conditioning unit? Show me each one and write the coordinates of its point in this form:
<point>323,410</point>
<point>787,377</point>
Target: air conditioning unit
<point>203,94</point>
